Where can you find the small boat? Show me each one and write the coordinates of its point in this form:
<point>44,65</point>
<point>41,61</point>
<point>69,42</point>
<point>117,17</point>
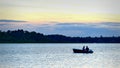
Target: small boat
<point>82,51</point>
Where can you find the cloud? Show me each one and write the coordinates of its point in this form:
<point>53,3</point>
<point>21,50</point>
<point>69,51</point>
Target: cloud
<point>81,29</point>
<point>111,23</point>
<point>95,25</point>
<point>5,20</point>
<point>107,25</point>
<point>70,29</point>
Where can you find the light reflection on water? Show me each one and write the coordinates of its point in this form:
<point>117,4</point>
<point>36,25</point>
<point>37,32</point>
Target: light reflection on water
<point>58,56</point>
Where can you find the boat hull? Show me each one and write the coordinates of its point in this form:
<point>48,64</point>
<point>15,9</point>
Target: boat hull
<point>81,51</point>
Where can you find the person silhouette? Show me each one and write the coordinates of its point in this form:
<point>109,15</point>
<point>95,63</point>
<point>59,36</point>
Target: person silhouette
<point>87,48</point>
<point>83,48</point>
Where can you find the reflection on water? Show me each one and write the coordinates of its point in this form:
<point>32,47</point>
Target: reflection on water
<point>58,56</point>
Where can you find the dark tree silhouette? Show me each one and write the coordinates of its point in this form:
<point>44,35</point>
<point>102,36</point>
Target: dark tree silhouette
<point>21,36</point>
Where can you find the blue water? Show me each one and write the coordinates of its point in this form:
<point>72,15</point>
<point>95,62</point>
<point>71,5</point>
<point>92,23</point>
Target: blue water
<point>58,56</point>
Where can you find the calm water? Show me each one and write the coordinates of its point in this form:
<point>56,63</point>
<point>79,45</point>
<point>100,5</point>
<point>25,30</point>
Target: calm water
<point>58,56</point>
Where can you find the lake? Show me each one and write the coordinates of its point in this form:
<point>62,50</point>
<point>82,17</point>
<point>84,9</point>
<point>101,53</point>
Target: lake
<point>58,56</point>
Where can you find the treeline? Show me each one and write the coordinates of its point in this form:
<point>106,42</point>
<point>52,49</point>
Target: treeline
<point>21,36</point>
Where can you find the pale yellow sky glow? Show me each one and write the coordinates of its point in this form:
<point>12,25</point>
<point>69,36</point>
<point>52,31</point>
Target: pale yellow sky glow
<point>61,10</point>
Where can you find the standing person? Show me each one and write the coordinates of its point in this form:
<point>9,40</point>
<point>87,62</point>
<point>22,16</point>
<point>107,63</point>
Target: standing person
<point>87,49</point>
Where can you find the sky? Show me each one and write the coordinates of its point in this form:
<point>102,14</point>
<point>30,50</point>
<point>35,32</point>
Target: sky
<point>67,17</point>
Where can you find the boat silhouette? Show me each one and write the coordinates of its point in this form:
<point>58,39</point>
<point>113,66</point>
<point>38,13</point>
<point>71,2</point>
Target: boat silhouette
<point>82,51</point>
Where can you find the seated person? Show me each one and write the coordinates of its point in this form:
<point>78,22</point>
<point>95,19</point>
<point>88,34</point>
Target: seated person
<point>87,49</point>
<point>83,48</point>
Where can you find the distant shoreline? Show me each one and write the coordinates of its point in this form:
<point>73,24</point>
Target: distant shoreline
<point>21,36</point>
<point>50,43</point>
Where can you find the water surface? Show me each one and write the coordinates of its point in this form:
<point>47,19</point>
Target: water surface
<point>58,56</point>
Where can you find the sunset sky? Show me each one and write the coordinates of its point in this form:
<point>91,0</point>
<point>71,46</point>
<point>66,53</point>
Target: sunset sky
<point>76,16</point>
